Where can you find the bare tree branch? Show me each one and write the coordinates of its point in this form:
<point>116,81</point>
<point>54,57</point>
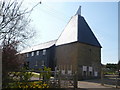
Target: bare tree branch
<point>14,25</point>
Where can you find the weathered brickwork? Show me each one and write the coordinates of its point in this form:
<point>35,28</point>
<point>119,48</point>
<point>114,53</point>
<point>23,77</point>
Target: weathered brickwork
<point>77,55</point>
<point>89,56</point>
<point>66,56</point>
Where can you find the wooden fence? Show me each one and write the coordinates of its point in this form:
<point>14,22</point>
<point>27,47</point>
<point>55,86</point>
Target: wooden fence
<point>111,79</point>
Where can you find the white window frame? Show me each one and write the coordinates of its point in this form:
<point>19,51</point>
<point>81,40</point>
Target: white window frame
<point>37,53</point>
<point>32,54</point>
<point>90,69</point>
<point>44,51</point>
<point>95,73</point>
<point>84,68</point>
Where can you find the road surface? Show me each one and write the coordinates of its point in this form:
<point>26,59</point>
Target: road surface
<point>95,84</point>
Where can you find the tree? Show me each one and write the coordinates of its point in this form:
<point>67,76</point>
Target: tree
<point>119,68</point>
<point>14,30</point>
<point>119,65</point>
<point>14,23</point>
<point>10,62</point>
<point>111,66</point>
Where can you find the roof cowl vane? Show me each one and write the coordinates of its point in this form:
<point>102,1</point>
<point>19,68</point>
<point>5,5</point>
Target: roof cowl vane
<point>78,11</point>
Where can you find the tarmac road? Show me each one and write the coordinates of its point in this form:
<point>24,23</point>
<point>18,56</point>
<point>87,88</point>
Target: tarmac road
<point>85,84</point>
<point>94,85</point>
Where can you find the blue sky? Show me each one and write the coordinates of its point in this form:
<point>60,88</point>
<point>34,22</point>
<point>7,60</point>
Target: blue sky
<point>50,18</point>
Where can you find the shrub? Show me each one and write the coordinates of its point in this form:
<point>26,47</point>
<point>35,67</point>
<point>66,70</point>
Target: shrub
<point>22,78</point>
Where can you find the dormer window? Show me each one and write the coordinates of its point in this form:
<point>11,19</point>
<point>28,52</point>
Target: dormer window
<point>44,52</point>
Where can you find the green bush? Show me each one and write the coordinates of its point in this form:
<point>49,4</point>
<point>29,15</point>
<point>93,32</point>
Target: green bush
<point>22,79</point>
<point>45,73</point>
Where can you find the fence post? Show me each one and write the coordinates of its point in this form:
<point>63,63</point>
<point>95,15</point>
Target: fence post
<point>116,82</point>
<point>118,79</point>
<point>75,80</point>
<point>118,75</point>
<point>102,83</point>
<point>59,75</point>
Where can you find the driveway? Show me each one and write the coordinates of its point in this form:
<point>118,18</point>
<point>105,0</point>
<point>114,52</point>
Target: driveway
<point>94,84</point>
<point>85,84</point>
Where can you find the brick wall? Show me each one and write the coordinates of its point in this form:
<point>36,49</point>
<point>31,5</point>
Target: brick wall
<point>66,56</point>
<point>89,56</point>
<point>76,56</point>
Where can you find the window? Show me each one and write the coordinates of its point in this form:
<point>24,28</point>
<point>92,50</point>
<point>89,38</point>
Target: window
<point>32,54</point>
<point>37,53</point>
<point>27,54</point>
<point>84,68</point>
<point>90,69</point>
<point>95,74</point>
<point>44,52</point>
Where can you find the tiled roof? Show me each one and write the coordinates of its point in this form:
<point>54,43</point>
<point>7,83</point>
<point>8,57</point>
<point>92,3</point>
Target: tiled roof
<point>85,34</point>
<point>70,32</point>
<point>39,47</point>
